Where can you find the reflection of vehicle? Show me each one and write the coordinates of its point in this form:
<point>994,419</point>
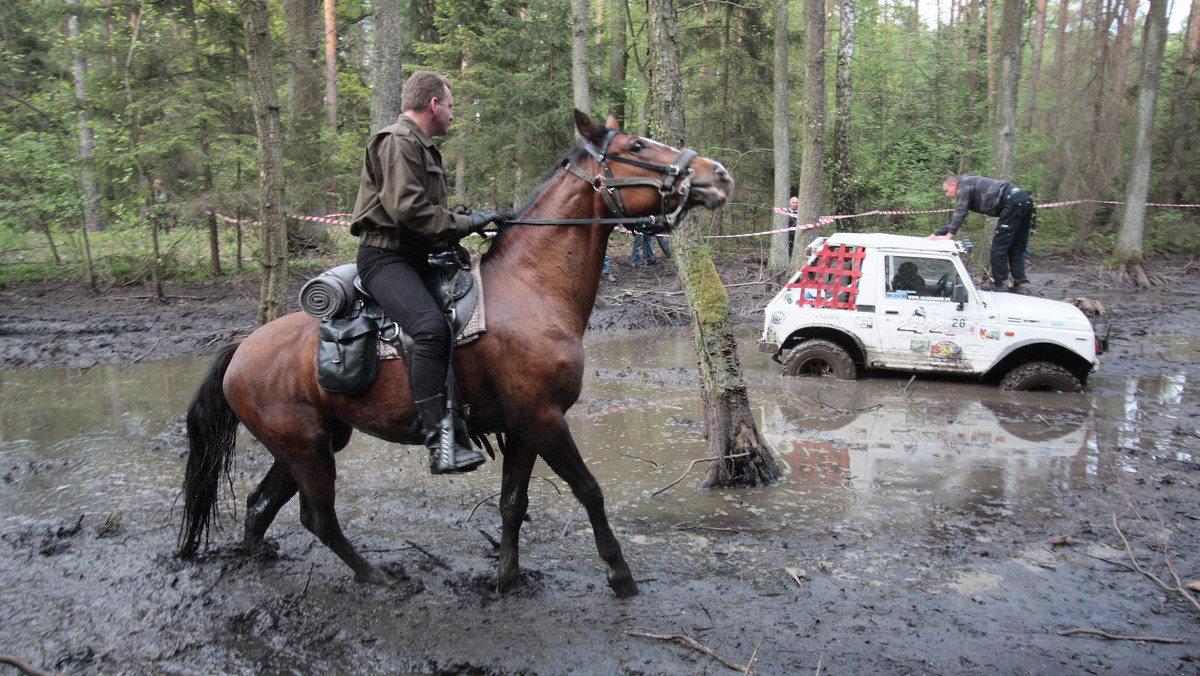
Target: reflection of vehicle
<point>872,301</point>
<point>825,446</point>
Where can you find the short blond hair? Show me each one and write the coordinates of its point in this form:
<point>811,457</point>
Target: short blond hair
<point>422,87</point>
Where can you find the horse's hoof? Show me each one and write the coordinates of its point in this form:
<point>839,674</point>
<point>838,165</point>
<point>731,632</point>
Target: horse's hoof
<point>373,575</point>
<point>624,588</point>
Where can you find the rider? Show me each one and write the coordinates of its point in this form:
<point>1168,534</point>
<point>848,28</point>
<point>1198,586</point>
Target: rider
<point>401,219</point>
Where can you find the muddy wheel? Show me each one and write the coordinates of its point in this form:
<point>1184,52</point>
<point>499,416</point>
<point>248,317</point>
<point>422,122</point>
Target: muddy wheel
<point>1041,376</point>
<point>820,358</point>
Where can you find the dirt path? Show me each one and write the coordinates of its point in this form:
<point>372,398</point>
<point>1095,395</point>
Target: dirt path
<point>954,595</point>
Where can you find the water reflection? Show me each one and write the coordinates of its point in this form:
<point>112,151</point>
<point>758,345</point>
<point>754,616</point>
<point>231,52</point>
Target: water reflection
<point>76,441</point>
<point>869,455</point>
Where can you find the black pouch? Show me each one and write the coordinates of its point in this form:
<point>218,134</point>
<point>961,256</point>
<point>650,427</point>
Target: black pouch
<point>347,354</point>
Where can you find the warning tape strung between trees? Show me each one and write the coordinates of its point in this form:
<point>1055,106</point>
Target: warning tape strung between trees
<point>823,220</point>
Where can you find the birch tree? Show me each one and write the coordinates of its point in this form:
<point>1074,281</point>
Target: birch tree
<point>843,164</point>
<point>87,141</point>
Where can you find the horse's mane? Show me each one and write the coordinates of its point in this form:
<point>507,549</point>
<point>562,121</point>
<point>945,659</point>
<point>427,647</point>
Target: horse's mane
<point>565,161</point>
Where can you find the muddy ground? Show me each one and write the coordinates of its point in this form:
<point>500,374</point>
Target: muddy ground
<point>83,596</point>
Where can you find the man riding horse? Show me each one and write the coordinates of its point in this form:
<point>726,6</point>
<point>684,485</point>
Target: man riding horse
<point>401,219</point>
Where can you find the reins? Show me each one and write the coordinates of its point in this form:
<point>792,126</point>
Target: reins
<point>676,179</point>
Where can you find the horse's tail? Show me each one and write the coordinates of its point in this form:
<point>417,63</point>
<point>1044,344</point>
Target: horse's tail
<point>212,431</point>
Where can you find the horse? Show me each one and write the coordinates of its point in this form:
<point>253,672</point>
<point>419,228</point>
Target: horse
<point>541,274</point>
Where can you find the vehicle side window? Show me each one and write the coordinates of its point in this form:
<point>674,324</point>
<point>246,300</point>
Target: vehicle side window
<point>919,278</point>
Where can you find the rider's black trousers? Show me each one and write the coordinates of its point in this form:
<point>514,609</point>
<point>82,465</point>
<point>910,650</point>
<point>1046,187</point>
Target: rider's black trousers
<point>397,281</point>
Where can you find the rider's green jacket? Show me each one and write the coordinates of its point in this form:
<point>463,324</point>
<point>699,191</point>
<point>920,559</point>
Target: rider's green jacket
<point>401,201</point>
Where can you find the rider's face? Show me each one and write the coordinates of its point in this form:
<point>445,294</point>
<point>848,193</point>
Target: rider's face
<point>951,189</point>
<point>443,113</point>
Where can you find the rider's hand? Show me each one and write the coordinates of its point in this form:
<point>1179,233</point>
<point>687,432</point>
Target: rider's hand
<point>947,236</point>
<point>479,220</point>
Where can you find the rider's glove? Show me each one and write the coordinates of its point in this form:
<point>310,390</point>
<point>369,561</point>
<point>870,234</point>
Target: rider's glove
<point>478,220</point>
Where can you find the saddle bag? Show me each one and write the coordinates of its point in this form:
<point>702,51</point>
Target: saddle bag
<point>348,353</point>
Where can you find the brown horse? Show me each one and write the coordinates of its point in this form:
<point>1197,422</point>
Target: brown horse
<point>541,275</point>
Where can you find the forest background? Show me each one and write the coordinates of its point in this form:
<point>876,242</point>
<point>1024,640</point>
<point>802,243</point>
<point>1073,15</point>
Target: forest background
<point>121,114</point>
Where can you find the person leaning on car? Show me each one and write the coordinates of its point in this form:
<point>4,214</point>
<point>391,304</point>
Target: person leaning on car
<point>1013,209</point>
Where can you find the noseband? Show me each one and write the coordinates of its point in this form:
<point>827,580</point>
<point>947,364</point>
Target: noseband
<point>675,179</point>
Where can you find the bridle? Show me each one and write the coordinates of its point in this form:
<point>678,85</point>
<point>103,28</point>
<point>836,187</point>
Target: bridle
<point>675,179</point>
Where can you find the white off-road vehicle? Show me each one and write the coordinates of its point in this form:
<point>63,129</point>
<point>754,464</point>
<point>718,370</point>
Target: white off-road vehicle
<point>876,301</point>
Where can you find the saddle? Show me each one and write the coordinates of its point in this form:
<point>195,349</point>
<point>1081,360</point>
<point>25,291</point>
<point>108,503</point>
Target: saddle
<point>355,334</point>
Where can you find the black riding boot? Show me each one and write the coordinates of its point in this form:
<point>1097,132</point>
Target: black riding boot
<point>446,455</point>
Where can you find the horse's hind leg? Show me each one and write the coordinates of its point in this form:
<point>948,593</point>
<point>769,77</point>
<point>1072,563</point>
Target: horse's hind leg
<point>559,451</point>
<point>264,504</point>
<point>514,504</point>
<point>310,463</point>
<point>273,492</point>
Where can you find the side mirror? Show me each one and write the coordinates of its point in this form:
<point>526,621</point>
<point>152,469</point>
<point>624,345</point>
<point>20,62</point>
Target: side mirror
<point>959,295</point>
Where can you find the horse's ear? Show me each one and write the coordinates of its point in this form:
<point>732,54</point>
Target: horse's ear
<point>612,123</point>
<point>588,129</point>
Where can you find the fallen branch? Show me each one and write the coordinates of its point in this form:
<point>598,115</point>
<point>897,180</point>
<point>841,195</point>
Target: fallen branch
<point>629,455</point>
<point>691,643</point>
<point>477,504</point>
<point>693,464</point>
<point>152,348</point>
<point>1180,589</point>
<point>754,655</point>
<point>1117,637</point>
<point>437,560</point>
<point>23,666</point>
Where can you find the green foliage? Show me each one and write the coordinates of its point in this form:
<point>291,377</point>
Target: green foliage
<point>174,105</point>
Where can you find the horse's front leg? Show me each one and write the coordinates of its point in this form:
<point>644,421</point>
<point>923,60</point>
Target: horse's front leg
<point>558,449</point>
<point>514,504</point>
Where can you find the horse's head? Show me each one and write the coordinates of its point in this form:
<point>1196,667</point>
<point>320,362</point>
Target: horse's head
<point>642,177</point>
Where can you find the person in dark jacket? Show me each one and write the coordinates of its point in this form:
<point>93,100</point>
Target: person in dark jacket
<point>401,218</point>
<point>1013,209</point>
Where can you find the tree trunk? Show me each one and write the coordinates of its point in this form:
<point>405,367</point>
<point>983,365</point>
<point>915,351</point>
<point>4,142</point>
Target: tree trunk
<point>1092,178</point>
<point>991,63</point>
<point>665,102</point>
<point>87,141</point>
<point>778,259</point>
<point>618,59</point>
<point>812,132</point>
<point>331,88</point>
<point>740,456</point>
<point>1177,183</point>
<point>1012,18</point>
<point>1125,14</point>
<point>1035,61</point>
<point>971,100</point>
<point>844,201</point>
<point>273,297</point>
<point>1128,250</point>
<point>580,93</point>
<point>305,107</point>
<point>388,73</point>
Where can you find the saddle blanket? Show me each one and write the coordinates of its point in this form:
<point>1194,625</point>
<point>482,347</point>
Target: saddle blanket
<point>475,327</point>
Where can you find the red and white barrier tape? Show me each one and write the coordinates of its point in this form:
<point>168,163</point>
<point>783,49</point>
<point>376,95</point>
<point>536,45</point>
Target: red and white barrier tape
<point>823,220</point>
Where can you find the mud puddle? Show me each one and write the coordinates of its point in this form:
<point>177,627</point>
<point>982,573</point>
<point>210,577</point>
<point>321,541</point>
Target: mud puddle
<point>912,530</point>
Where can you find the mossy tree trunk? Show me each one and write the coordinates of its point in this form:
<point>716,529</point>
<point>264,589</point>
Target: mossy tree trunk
<point>740,456</point>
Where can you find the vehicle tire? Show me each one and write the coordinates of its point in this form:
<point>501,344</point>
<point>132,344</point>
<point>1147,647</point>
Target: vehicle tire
<point>820,358</point>
<point>1042,376</point>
